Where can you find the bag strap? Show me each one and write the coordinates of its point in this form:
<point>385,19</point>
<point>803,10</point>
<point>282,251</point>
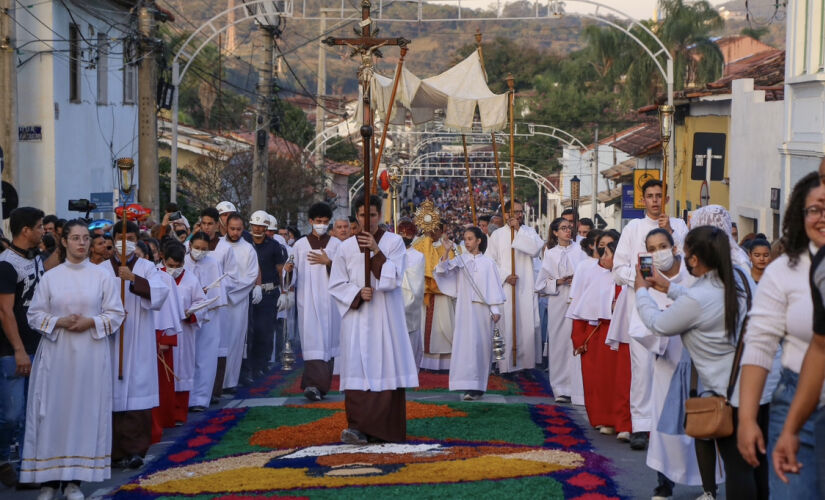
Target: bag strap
<point>740,344</point>
<point>694,381</point>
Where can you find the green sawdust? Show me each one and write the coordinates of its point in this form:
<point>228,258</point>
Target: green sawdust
<point>236,440</point>
<point>542,487</point>
<point>484,422</point>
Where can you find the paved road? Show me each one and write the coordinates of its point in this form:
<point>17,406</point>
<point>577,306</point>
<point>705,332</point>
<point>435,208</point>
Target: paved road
<point>635,480</point>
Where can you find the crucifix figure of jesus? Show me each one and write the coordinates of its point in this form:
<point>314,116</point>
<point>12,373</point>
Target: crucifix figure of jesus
<point>366,46</point>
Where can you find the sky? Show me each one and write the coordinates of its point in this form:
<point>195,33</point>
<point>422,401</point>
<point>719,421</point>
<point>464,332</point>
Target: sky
<point>638,9</point>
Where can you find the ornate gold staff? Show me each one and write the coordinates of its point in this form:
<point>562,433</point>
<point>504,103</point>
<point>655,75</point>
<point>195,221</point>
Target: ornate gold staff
<point>511,85</point>
<point>125,166</point>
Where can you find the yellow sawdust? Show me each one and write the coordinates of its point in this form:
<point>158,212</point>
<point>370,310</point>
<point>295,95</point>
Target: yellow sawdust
<point>256,478</point>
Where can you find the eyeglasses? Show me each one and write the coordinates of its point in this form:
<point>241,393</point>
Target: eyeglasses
<point>814,212</point>
<point>565,228</point>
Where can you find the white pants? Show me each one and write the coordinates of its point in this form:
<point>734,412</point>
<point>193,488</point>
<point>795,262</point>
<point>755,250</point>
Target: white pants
<point>207,342</point>
<point>641,378</point>
<point>235,333</point>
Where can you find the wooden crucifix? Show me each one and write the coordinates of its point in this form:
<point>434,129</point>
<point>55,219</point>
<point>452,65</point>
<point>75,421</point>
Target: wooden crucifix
<point>366,46</point>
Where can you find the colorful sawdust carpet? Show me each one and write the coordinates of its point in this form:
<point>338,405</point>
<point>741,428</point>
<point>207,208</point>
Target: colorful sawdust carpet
<point>525,383</point>
<point>455,450</point>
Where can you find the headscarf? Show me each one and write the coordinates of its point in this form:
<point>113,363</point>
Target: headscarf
<point>717,216</point>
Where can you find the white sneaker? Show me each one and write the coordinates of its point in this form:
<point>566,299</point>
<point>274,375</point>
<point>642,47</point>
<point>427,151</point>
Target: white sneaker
<point>72,492</point>
<point>623,437</point>
<point>607,430</point>
<point>47,493</point>
<point>706,496</point>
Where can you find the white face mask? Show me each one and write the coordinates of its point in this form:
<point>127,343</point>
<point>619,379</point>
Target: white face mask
<point>320,229</point>
<point>174,272</point>
<point>663,259</point>
<point>130,247</point>
<point>290,241</point>
<point>198,254</point>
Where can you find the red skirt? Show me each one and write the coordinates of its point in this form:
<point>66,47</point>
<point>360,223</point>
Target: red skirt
<point>606,376</point>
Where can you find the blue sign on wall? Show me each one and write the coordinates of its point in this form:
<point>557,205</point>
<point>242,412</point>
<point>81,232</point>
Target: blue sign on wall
<point>105,202</point>
<point>628,210</point>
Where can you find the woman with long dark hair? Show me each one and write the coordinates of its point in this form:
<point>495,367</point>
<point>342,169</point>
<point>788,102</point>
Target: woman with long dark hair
<point>781,315</point>
<point>76,307</point>
<point>472,279</point>
<point>707,316</point>
<point>554,279</point>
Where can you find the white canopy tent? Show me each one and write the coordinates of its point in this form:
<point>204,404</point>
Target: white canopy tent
<point>459,91</point>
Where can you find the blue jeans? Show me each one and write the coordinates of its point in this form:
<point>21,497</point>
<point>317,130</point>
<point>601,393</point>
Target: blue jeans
<point>804,484</point>
<point>13,390</point>
<point>819,430</point>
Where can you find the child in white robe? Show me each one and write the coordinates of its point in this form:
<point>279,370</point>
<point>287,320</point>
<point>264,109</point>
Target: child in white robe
<point>465,278</point>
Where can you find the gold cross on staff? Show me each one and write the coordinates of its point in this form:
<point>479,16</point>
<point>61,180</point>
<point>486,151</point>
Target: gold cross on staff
<point>366,46</point>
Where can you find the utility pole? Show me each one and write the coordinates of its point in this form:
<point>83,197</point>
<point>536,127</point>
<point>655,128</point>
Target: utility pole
<point>260,159</point>
<point>148,175</point>
<point>594,174</point>
<point>322,91</point>
<point>8,95</point>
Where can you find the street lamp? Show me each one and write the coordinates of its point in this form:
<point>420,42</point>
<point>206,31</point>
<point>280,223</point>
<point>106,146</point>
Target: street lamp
<point>666,131</point>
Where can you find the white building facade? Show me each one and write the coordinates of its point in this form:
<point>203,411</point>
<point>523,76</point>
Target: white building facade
<point>803,132</point>
<point>76,100</point>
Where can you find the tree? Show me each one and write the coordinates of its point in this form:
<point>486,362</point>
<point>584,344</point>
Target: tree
<point>686,32</point>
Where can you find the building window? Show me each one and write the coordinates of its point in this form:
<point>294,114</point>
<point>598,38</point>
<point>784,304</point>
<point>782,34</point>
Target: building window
<point>74,63</point>
<point>102,69</point>
<point>705,144</point>
<point>130,73</point>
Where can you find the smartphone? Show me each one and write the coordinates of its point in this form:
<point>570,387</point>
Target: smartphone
<point>175,216</point>
<point>646,264</point>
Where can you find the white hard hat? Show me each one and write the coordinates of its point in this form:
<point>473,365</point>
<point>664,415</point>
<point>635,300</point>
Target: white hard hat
<point>225,207</point>
<point>259,218</point>
<point>273,223</point>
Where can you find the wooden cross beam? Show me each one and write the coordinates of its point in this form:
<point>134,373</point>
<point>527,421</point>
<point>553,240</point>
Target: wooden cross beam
<point>366,46</point>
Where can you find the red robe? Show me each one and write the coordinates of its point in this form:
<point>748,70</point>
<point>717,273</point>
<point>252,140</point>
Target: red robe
<point>163,415</point>
<point>605,374</point>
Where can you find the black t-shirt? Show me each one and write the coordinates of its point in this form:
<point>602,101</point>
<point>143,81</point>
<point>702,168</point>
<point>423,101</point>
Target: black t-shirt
<point>19,276</point>
<point>817,278</point>
<point>270,254</point>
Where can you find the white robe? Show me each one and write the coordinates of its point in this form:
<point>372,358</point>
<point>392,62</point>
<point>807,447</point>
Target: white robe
<point>139,388</point>
<point>673,456</point>
<point>473,335</point>
<point>413,290</point>
<point>208,335</point>
<point>375,347</point>
<point>527,245</point>
<point>564,369</point>
<point>244,275</point>
<point>630,245</point>
<point>190,292</point>
<point>319,322</point>
<point>69,411</point>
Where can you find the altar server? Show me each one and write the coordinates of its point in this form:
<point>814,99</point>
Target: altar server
<point>472,278</point>
<point>208,336</point>
<point>376,357</point>
<point>413,289</point>
<point>630,246</point>
<point>527,244</point>
<point>319,322</point>
<point>137,392</point>
<point>244,275</point>
<point>554,279</point>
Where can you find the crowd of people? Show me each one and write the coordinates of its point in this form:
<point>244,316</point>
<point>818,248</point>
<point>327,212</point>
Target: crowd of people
<point>128,331</point>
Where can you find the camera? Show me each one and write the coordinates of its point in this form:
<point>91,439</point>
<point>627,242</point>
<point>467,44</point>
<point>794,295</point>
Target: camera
<point>81,205</point>
<point>175,216</point>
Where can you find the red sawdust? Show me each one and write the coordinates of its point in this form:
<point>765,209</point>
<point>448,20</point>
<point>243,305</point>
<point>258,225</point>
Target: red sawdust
<point>566,441</point>
<point>182,456</point>
<point>587,481</point>
<point>595,496</point>
<point>453,453</point>
<point>328,429</point>
<point>198,441</point>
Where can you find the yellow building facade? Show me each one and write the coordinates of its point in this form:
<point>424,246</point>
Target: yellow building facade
<point>692,140</point>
